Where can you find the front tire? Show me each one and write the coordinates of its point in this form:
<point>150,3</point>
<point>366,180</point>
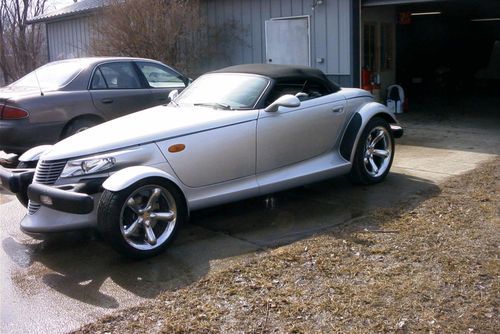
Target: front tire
<point>141,220</point>
<point>374,153</point>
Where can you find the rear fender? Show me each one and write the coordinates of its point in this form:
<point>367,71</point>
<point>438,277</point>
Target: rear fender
<point>33,154</point>
<point>358,123</point>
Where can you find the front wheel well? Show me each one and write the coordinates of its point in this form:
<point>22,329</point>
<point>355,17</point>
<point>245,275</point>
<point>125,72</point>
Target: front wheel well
<point>128,218</point>
<point>352,131</point>
<point>153,179</point>
<point>386,117</point>
<point>181,193</point>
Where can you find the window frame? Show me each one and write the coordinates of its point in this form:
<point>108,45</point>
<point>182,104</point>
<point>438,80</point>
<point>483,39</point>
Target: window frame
<point>139,75</point>
<point>181,77</point>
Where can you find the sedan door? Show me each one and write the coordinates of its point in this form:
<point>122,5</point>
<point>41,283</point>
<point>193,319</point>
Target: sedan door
<point>291,135</point>
<point>117,89</point>
<point>161,80</point>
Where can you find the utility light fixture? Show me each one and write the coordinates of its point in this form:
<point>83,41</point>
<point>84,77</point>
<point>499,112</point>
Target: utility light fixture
<point>486,19</point>
<point>425,13</point>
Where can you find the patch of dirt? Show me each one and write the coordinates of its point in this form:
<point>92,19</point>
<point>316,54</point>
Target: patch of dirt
<point>431,268</point>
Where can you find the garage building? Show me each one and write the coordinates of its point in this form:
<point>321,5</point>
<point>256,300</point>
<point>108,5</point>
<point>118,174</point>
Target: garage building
<point>429,47</point>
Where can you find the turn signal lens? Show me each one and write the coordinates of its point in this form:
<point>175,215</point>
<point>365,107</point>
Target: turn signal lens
<point>9,112</point>
<point>176,148</point>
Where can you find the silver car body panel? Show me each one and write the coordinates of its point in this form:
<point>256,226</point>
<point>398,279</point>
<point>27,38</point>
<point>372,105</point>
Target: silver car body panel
<point>226,153</point>
<point>138,155</point>
<point>34,153</point>
<point>291,135</point>
<point>151,125</point>
<point>128,176</point>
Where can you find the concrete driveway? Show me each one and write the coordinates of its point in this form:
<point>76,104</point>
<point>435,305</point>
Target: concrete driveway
<point>71,279</point>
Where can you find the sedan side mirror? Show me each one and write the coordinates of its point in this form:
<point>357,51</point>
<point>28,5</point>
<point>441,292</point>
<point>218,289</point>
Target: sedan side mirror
<point>172,95</point>
<point>287,100</point>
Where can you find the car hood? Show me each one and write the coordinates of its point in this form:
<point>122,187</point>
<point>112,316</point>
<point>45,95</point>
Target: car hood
<point>146,126</point>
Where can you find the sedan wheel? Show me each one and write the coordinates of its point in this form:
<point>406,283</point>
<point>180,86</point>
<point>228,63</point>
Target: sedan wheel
<point>374,153</point>
<point>141,220</point>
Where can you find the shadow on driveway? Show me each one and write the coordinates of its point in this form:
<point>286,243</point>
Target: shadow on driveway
<point>81,267</point>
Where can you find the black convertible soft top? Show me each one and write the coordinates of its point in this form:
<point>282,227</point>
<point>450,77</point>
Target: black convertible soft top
<point>284,73</point>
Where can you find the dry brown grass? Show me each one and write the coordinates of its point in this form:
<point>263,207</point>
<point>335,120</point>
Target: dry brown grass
<point>433,268</point>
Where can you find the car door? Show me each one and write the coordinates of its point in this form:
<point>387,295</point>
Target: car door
<point>161,80</point>
<point>291,135</point>
<point>117,89</point>
<point>226,152</point>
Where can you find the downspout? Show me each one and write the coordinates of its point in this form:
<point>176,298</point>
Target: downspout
<point>356,43</point>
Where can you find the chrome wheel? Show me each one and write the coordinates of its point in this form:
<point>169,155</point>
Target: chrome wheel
<point>148,217</point>
<point>377,151</point>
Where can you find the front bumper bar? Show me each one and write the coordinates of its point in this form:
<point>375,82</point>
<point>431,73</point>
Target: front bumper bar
<point>15,180</point>
<point>397,130</point>
<point>61,199</point>
<point>70,198</point>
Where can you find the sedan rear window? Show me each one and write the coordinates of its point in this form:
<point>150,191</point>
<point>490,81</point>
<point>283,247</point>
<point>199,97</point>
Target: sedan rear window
<point>51,76</point>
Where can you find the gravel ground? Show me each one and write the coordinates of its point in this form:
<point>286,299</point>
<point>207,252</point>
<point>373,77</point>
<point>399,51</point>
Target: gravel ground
<point>429,268</point>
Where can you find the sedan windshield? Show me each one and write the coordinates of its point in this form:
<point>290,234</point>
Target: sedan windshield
<point>224,91</point>
<point>51,76</point>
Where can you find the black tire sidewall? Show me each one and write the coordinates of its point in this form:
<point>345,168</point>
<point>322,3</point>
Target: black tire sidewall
<point>359,173</point>
<point>22,195</point>
<point>74,126</point>
<point>108,217</point>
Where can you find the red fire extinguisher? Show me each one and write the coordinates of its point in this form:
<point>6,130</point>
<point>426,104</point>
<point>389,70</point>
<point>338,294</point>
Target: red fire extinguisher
<point>366,76</point>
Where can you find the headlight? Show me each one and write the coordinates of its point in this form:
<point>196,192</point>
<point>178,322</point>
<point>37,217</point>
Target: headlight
<point>87,166</point>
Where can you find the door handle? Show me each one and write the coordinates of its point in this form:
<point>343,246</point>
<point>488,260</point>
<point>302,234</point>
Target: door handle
<point>338,110</point>
<point>107,101</point>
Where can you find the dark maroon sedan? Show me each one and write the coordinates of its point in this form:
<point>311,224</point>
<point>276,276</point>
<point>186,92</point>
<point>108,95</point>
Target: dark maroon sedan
<point>65,97</point>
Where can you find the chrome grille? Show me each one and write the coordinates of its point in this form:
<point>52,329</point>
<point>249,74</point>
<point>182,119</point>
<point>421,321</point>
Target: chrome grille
<point>47,172</point>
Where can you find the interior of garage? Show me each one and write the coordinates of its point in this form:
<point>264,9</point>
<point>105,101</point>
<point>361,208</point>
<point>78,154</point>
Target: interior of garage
<point>442,53</point>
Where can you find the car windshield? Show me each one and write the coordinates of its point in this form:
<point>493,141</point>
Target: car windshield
<point>51,76</point>
<point>224,91</point>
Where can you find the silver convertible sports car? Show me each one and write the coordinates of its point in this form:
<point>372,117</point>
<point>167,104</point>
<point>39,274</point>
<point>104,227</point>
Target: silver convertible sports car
<point>235,133</point>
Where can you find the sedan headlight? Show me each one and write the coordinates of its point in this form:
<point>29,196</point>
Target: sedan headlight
<point>87,166</point>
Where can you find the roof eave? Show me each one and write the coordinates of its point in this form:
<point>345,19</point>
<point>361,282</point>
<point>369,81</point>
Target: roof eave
<point>64,16</point>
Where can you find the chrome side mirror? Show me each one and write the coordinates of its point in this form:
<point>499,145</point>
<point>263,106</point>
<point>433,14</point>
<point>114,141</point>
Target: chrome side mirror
<point>288,101</point>
<point>173,95</point>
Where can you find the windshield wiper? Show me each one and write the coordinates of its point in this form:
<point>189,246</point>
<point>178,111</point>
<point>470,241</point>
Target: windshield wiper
<point>215,105</point>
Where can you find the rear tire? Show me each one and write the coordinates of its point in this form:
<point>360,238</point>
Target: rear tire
<point>79,125</point>
<point>374,153</point>
<point>22,195</point>
<point>141,220</point>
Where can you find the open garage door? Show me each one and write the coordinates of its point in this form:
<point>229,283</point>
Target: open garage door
<point>443,53</point>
